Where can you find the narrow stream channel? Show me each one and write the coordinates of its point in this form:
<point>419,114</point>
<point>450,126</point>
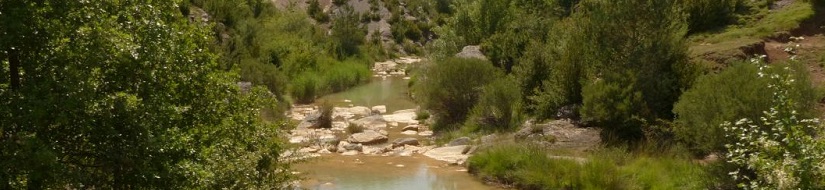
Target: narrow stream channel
<point>375,172</point>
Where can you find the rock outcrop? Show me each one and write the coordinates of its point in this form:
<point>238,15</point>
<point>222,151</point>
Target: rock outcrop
<point>473,52</point>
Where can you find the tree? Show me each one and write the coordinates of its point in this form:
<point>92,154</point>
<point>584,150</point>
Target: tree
<point>631,55</point>
<point>123,95</point>
<point>347,32</point>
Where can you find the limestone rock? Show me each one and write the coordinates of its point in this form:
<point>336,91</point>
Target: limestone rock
<point>410,128</point>
<point>297,139</point>
<point>372,122</point>
<point>367,137</point>
<point>452,154</point>
<point>425,133</point>
<point>405,141</point>
<point>329,139</point>
<point>381,109</point>
<point>350,153</point>
<point>471,52</point>
<point>402,116</point>
<point>360,110</point>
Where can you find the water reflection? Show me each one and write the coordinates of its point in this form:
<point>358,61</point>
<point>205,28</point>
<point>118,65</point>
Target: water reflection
<point>334,172</point>
<point>391,92</point>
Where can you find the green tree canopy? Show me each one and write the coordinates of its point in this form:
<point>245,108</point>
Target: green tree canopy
<point>631,54</point>
<point>125,95</point>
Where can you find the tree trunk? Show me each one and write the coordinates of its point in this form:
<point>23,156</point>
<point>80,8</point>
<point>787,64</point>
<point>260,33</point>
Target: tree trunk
<point>14,69</point>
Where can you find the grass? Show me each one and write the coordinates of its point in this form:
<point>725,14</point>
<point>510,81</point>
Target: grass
<point>784,19</point>
<point>353,128</point>
<point>753,29</point>
<point>530,167</point>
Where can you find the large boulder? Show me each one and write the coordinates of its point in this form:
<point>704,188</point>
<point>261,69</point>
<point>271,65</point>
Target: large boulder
<point>371,122</point>
<point>310,121</point>
<point>451,154</point>
<point>381,109</point>
<point>471,52</point>
<point>402,116</point>
<point>367,138</point>
<point>405,141</point>
<point>360,110</point>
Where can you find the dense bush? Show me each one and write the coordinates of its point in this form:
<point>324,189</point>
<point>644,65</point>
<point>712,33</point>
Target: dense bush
<point>735,93</point>
<point>450,88</point>
<point>710,14</point>
<point>314,10</point>
<point>341,75</point>
<point>264,74</point>
<point>498,107</point>
<point>305,88</point>
<point>339,2</point>
<point>405,29</point>
<point>782,150</point>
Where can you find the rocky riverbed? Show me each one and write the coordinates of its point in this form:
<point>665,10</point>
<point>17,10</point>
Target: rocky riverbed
<point>372,130</point>
<point>383,134</point>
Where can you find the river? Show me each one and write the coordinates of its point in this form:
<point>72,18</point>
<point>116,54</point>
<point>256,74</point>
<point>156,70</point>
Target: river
<point>377,172</point>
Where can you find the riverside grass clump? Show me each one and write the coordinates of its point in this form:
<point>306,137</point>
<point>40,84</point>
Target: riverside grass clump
<point>531,167</point>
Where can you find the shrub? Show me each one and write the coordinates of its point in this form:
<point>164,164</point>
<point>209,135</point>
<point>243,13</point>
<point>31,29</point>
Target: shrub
<point>264,74</point>
<point>184,8</point>
<point>305,87</point>
<point>339,76</point>
<point>314,11</point>
<point>339,2</point>
<point>422,114</point>
<point>325,121</point>
<point>405,29</point>
<point>710,14</point>
<point>782,150</point>
<point>450,88</point>
<point>737,92</point>
<point>353,128</point>
<point>498,107</point>
<point>411,48</point>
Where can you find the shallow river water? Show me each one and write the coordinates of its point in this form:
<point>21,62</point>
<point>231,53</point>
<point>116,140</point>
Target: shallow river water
<point>385,173</point>
<point>371,172</point>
